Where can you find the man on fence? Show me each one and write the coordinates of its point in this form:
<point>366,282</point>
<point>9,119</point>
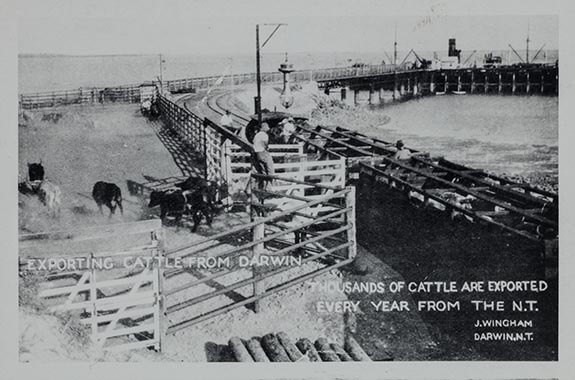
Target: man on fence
<point>263,159</point>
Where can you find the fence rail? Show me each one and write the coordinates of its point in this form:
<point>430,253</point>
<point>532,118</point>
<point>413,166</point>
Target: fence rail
<point>131,93</point>
<point>305,236</point>
<point>83,95</point>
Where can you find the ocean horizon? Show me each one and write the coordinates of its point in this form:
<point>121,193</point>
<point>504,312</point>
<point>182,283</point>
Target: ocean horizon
<point>41,72</point>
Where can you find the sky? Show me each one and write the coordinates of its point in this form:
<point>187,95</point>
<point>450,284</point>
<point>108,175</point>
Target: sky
<point>228,27</point>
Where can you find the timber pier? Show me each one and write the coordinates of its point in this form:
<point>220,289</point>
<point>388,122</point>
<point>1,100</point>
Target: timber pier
<point>404,84</point>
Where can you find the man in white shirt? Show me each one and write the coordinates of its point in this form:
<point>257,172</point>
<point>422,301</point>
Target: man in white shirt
<point>263,157</point>
<point>402,152</point>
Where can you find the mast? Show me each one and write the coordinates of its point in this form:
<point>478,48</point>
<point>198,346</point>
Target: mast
<point>395,46</point>
<point>527,53</point>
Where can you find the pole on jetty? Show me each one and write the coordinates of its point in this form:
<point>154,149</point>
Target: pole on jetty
<point>258,99</point>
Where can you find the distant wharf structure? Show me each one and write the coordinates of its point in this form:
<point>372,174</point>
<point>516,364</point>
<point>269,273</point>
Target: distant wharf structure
<point>406,84</point>
<point>352,84</point>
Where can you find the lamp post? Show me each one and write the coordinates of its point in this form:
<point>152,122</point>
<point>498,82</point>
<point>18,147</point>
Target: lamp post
<point>258,98</point>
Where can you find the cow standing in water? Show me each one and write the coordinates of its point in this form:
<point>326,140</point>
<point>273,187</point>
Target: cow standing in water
<point>108,194</point>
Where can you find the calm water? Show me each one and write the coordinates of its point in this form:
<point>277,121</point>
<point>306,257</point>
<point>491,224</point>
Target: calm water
<point>515,135</point>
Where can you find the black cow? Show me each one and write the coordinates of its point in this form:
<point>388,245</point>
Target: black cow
<point>207,188</point>
<point>108,194</point>
<point>36,172</point>
<point>180,202</point>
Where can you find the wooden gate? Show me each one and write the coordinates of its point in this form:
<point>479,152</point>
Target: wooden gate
<point>110,276</point>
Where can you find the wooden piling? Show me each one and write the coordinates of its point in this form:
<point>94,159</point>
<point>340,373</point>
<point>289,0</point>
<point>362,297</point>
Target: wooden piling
<point>354,350</point>
<point>486,85</point>
<point>458,82</point>
<point>292,351</point>
<point>274,349</point>
<point>528,86</point>
<point>240,351</point>
<point>445,83</point>
<point>432,84</point>
<point>340,352</point>
<point>307,348</point>
<point>472,88</point>
<point>325,351</point>
<point>514,85</point>
<point>500,88</point>
<point>256,351</point>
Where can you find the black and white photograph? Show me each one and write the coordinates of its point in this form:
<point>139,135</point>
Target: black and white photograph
<point>287,182</point>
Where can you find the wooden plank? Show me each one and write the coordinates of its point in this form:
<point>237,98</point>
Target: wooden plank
<point>126,331</point>
<point>126,314</point>
<point>351,147</point>
<point>110,302</point>
<point>52,292</point>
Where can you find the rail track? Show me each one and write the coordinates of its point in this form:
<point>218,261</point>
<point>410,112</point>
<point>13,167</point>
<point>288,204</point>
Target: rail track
<point>478,195</point>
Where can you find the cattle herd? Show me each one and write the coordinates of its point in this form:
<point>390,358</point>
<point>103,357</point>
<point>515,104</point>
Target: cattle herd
<point>194,197</point>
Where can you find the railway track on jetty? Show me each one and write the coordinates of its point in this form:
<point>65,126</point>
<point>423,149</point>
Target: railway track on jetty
<point>471,193</point>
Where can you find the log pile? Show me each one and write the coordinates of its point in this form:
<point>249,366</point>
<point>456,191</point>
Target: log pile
<point>280,348</point>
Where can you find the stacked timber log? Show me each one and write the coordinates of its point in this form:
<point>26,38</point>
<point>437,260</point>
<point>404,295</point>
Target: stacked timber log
<point>280,348</point>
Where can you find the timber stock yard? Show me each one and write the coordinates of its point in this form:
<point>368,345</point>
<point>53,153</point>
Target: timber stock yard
<point>368,241</point>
